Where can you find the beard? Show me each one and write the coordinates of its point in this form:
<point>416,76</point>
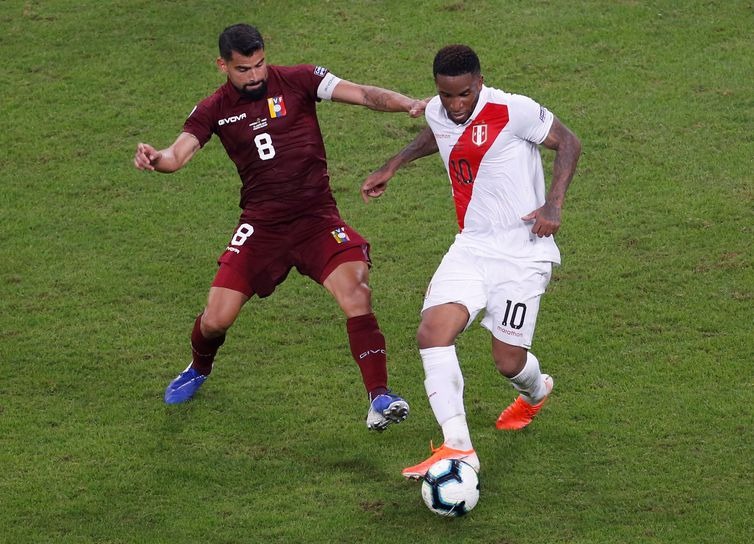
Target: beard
<point>255,94</point>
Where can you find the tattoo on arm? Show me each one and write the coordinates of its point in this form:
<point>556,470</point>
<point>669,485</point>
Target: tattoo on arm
<point>424,144</point>
<point>567,151</point>
<point>376,99</point>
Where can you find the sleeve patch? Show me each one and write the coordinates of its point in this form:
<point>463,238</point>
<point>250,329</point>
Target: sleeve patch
<point>320,71</point>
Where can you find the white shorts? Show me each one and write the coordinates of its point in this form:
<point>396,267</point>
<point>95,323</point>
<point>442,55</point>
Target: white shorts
<point>509,291</point>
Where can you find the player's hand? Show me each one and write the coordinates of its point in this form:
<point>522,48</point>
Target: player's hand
<point>546,220</point>
<point>375,184</point>
<point>146,156</point>
<point>417,107</point>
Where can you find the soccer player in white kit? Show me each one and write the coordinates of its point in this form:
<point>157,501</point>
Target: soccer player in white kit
<point>501,260</point>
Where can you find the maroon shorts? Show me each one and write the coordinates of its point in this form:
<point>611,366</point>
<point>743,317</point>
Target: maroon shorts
<point>259,257</point>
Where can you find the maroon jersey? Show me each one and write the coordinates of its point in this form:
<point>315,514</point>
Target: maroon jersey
<point>275,142</point>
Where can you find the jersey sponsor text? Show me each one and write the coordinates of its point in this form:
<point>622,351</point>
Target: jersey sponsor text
<point>231,119</point>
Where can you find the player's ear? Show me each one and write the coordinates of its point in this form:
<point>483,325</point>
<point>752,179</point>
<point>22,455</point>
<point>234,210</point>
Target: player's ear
<point>221,65</point>
<point>478,82</point>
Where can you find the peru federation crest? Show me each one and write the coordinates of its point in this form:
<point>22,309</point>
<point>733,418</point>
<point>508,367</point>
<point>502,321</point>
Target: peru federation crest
<point>479,134</point>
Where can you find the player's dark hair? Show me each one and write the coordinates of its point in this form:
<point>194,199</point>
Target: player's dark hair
<point>242,38</point>
<point>456,60</point>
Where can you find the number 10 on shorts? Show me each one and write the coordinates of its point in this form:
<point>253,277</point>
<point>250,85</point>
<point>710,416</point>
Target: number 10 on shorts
<point>242,234</point>
<point>514,315</point>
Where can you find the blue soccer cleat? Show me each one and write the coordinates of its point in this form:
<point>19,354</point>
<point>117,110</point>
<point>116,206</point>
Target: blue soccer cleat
<point>386,409</point>
<point>184,386</point>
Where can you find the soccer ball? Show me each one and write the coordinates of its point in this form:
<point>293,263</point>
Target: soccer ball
<point>450,488</point>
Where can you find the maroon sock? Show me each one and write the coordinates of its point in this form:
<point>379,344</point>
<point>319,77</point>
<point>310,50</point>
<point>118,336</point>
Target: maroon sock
<point>368,350</point>
<point>203,349</point>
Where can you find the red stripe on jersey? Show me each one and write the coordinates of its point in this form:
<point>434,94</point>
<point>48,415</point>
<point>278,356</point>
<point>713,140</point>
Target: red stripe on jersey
<point>469,151</point>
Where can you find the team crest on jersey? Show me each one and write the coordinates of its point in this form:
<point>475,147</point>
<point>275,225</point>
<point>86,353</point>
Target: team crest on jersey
<point>276,104</point>
<point>479,134</point>
<point>340,235</point>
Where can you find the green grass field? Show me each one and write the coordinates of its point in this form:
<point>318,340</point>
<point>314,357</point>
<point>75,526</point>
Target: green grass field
<point>646,327</point>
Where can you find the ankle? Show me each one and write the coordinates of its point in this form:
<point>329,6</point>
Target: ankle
<point>376,392</point>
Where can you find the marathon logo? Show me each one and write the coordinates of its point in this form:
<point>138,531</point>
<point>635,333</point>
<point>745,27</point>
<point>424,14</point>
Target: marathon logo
<point>509,332</point>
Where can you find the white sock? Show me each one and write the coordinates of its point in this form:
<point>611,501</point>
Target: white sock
<point>444,385</point>
<point>530,382</point>
<point>455,432</point>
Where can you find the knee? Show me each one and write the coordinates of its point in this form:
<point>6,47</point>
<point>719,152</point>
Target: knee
<point>215,324</point>
<point>357,300</point>
<point>441,325</point>
<point>428,336</point>
<point>362,292</point>
<point>423,336</point>
<point>510,363</point>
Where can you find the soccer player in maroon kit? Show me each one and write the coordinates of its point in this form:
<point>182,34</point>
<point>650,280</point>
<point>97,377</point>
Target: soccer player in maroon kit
<point>265,117</point>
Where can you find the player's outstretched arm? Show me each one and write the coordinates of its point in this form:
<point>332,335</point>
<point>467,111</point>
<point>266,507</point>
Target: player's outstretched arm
<point>169,159</point>
<point>376,183</point>
<point>567,150</point>
<point>377,98</point>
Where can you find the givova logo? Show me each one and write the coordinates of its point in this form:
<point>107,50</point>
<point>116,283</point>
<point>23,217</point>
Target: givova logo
<point>231,119</point>
<point>369,352</point>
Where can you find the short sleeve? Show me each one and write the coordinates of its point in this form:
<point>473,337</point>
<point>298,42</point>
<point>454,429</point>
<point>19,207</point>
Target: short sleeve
<point>531,121</point>
<point>306,79</point>
<point>199,123</point>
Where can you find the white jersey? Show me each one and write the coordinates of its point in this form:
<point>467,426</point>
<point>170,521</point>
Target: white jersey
<point>496,173</point>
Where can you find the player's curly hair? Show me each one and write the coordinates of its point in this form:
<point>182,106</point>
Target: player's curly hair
<point>456,60</point>
<point>242,38</point>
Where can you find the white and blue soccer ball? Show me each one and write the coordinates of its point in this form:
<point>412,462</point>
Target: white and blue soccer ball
<point>450,488</point>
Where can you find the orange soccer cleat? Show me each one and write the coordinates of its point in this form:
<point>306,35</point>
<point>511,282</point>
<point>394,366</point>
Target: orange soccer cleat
<point>443,452</point>
<point>520,413</point>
